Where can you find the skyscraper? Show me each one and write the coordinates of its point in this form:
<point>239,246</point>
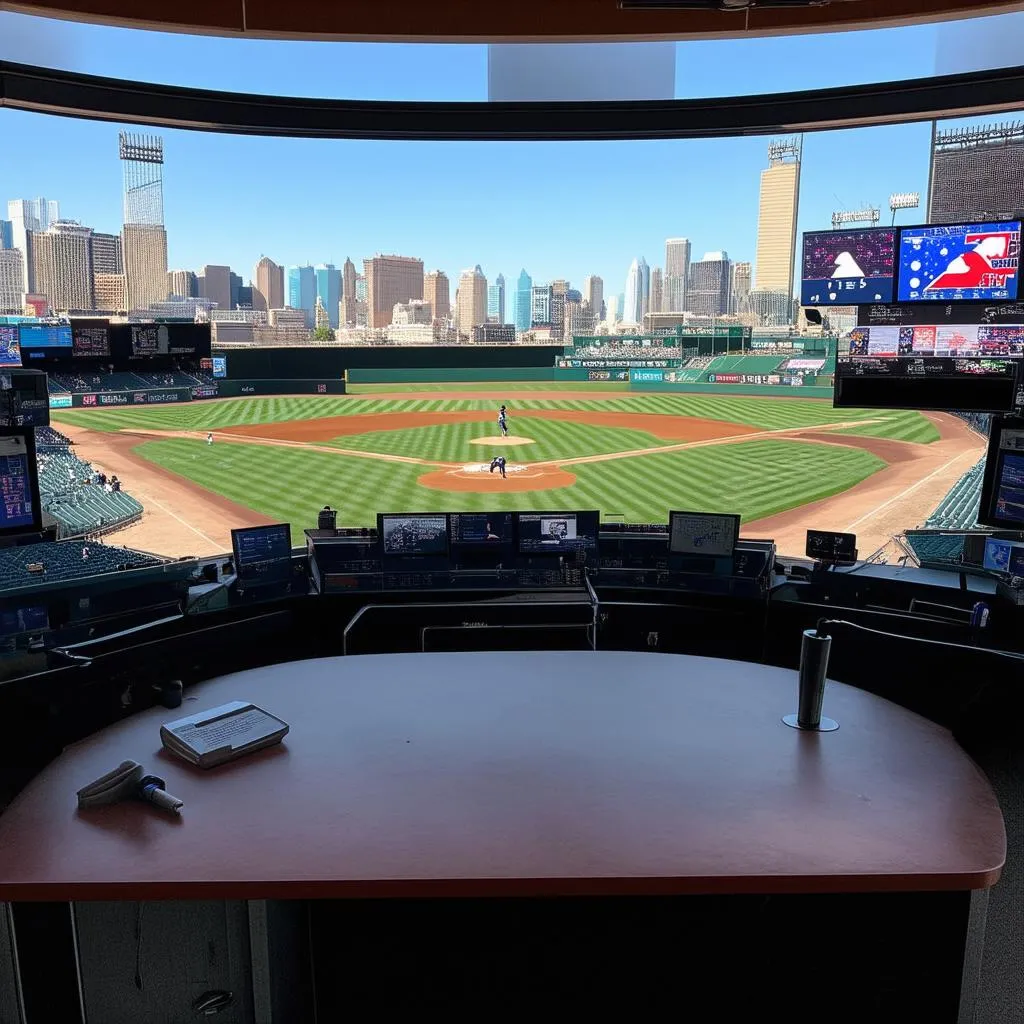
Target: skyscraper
<point>677,272</point>
<point>349,312</point>
<point>300,292</point>
<point>216,285</point>
<point>739,287</point>
<point>523,303</point>
<point>777,216</point>
<point>655,305</point>
<point>106,254</point>
<point>62,265</point>
<point>328,290</point>
<point>471,301</point>
<point>436,292</point>
<point>6,234</point>
<point>977,174</point>
<point>26,216</point>
<point>593,292</point>
<point>143,238</point>
<point>638,291</point>
<point>268,285</point>
<point>496,300</point>
<point>11,279</point>
<point>391,279</point>
<point>183,284</point>
<point>612,314</point>
<point>540,305</point>
<point>708,287</point>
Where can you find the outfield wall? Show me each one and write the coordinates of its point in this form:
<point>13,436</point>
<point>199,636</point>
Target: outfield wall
<point>219,389</point>
<point>762,390</point>
<point>437,375</point>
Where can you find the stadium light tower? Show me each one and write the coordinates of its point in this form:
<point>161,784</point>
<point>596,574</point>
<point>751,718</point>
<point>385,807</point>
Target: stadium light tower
<point>869,215</point>
<point>903,201</point>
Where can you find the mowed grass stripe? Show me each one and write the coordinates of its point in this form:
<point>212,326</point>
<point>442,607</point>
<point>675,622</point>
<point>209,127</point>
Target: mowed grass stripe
<point>292,484</point>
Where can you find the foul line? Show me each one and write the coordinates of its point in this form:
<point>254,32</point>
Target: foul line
<point>906,491</point>
<point>184,522</point>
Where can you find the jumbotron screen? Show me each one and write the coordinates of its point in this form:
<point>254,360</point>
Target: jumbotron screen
<point>958,263</point>
<point>848,268</point>
<point>10,350</point>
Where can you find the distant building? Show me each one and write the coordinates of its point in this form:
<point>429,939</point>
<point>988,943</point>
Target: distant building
<point>6,234</point>
<point>12,273</point>
<point>777,218</point>
<point>348,311</point>
<point>770,308</point>
<point>496,301</point>
<point>593,292</point>
<point>677,272</point>
<point>106,254</point>
<point>657,292</point>
<point>26,216</point>
<point>215,285</point>
<point>287,318</point>
<point>638,291</point>
<point>391,279</point>
<point>977,174</point>
<point>145,264</point>
<point>708,287</point>
<point>268,285</point>
<point>110,293</point>
<point>417,311</point>
<point>300,291</point>
<point>523,302</point>
<point>739,287</point>
<point>183,284</point>
<point>471,301</point>
<point>328,290</point>
<point>62,265</point>
<point>540,305</point>
<point>436,292</point>
<point>494,333</point>
<point>143,236</point>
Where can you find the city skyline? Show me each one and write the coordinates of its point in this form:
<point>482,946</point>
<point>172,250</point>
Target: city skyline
<point>730,213</point>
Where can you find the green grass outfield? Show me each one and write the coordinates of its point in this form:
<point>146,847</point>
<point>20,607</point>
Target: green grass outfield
<point>755,478</point>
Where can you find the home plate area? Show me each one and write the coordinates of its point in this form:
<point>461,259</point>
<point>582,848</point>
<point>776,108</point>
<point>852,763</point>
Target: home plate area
<point>477,477</point>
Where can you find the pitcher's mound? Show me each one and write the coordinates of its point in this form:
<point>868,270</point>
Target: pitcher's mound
<point>499,440</point>
<point>473,478</point>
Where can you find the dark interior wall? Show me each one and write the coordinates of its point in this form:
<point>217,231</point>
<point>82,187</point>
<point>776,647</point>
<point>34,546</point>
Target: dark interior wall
<point>331,363</point>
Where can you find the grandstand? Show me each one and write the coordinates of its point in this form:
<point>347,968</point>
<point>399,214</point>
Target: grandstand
<point>64,561</point>
<point>104,383</point>
<point>958,510</point>
<point>70,490</point>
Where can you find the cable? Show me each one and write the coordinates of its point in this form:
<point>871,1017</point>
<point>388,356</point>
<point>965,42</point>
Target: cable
<point>822,623</point>
<point>138,947</point>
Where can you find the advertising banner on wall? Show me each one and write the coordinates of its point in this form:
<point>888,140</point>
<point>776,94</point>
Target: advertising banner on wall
<point>647,376</point>
<point>60,401</point>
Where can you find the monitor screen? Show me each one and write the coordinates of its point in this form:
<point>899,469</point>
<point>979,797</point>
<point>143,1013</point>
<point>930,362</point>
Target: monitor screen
<point>413,535</point>
<point>555,533</point>
<point>261,545</point>
<point>848,268</point>
<point>826,546</point>
<point>10,350</point>
<point>1002,492</point>
<point>481,529</point>
<point>703,533</point>
<point>24,620</point>
<point>958,263</point>
<point>90,341</point>
<point>150,340</point>
<point>44,335</point>
<point>220,367</point>
<point>1002,555</point>
<point>19,506</point>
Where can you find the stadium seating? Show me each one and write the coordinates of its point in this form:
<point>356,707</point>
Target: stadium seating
<point>935,547</point>
<point>48,439</point>
<point>958,510</point>
<point>80,507</point>
<point>62,561</point>
<point>168,379</point>
<point>93,383</point>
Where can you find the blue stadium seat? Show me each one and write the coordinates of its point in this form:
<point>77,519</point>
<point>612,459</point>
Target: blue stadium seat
<point>63,560</point>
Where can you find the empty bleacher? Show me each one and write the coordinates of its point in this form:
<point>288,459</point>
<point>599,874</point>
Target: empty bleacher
<point>168,379</point>
<point>95,383</point>
<point>65,560</point>
<point>69,493</point>
<point>958,510</point>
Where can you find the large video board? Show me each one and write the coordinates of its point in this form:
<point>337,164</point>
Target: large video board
<point>959,263</point>
<point>848,268</point>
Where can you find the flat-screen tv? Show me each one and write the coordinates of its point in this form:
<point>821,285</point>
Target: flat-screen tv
<point>44,335</point>
<point>90,340</point>
<point>19,487</point>
<point>848,268</point>
<point>10,348</point>
<point>1002,491</point>
<point>959,263</point>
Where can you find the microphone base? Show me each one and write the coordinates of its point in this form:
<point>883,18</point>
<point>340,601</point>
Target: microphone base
<point>826,724</point>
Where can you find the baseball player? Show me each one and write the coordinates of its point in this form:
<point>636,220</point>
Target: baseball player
<point>498,462</point>
<point>503,421</point>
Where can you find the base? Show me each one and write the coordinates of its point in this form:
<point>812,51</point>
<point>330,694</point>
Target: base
<point>827,724</point>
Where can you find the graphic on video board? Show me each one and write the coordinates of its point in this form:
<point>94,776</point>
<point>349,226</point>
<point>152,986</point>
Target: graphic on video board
<point>976,262</point>
<point>848,268</point>
<point>10,351</point>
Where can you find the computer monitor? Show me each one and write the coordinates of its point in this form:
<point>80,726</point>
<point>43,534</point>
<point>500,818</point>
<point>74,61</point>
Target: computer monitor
<point>1003,555</point>
<point>19,485</point>
<point>711,535</point>
<point>1002,490</point>
<point>557,533</point>
<point>263,553</point>
<point>481,530</point>
<point>10,348</point>
<point>412,535</point>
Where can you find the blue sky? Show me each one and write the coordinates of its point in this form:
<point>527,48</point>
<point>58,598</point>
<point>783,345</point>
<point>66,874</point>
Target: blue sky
<point>559,209</point>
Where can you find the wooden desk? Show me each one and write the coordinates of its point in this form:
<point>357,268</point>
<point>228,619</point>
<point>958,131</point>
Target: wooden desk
<point>519,774</point>
<point>582,775</point>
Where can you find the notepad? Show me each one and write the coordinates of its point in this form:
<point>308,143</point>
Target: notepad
<point>217,735</point>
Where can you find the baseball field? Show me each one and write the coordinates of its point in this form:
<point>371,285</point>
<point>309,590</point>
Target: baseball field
<point>783,463</point>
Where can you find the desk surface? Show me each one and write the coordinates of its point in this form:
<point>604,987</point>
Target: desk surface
<point>519,774</point>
